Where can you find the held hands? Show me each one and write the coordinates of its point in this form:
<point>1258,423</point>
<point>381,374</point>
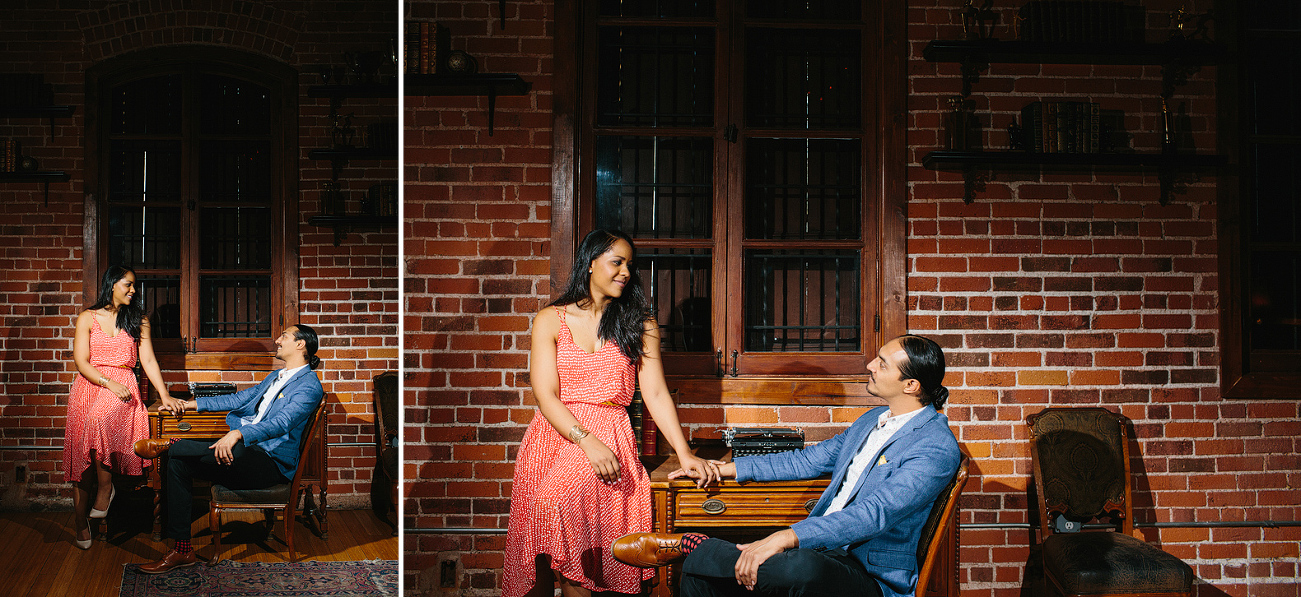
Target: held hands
<point>604,464</point>
<point>708,472</point>
<point>754,554</point>
<point>172,405</point>
<point>221,449</point>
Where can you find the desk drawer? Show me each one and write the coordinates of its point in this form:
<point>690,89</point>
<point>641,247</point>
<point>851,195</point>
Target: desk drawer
<point>191,425</point>
<point>740,506</point>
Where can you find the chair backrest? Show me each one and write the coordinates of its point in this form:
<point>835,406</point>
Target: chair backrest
<point>315,426</point>
<point>386,404</point>
<point>928,547</point>
<point>1081,466</point>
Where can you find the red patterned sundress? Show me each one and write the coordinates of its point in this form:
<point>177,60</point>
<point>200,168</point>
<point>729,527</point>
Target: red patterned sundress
<point>558,506</point>
<point>97,419</point>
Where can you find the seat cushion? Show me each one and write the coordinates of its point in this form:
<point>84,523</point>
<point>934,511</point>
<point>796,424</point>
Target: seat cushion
<point>276,494</point>
<point>1105,562</point>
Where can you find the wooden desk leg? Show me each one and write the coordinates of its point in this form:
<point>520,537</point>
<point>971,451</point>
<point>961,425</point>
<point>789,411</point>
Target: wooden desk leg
<point>156,484</point>
<point>320,516</point>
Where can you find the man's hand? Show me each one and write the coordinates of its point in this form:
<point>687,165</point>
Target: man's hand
<point>221,449</point>
<point>754,554</point>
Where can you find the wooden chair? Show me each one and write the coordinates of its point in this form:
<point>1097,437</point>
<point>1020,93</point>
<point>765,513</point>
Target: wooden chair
<point>284,497</point>
<point>387,426</point>
<point>1081,475</point>
<point>942,514</point>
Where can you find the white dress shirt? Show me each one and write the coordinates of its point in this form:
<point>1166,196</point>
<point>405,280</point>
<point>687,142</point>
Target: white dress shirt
<point>270,396</point>
<point>886,426</point>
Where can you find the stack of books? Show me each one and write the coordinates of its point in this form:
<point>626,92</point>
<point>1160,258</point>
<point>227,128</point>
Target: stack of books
<point>1061,127</point>
<point>10,154</point>
<point>424,46</point>
<point>1081,21</point>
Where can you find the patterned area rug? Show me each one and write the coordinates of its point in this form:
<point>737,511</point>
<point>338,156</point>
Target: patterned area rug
<point>375,578</point>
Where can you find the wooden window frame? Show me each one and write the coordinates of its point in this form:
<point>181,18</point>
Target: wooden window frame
<point>1237,380</point>
<point>211,354</point>
<point>884,284</point>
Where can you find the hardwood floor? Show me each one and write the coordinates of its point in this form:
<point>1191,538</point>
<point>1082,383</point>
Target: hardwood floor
<point>40,560</point>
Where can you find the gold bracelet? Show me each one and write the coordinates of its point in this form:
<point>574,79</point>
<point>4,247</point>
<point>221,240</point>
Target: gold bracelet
<point>577,433</point>
<point>103,381</point>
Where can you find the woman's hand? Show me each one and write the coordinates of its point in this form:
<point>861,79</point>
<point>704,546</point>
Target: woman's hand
<point>604,464</point>
<point>118,390</point>
<point>172,405</point>
<point>704,472</point>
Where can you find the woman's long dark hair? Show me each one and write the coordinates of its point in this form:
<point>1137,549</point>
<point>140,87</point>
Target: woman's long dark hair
<point>624,319</point>
<point>129,315</point>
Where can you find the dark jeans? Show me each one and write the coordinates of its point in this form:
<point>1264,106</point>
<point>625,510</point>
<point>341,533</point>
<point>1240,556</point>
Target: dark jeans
<point>710,570</point>
<point>187,459</point>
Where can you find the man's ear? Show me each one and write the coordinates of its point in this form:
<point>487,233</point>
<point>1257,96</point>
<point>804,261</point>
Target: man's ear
<point>912,387</point>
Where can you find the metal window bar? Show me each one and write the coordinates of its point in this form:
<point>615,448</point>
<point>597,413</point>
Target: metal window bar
<point>655,76</point>
<point>820,285</point>
<point>678,281</point>
<point>235,306</point>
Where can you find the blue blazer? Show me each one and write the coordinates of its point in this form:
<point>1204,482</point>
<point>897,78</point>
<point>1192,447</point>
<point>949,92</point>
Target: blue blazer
<point>280,432</point>
<point>882,522</point>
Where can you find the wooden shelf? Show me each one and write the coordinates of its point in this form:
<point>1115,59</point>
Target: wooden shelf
<point>352,153</point>
<point>345,222</point>
<point>1006,160</point>
<point>1166,164</point>
<point>50,112</point>
<point>490,85</point>
<point>46,177</point>
<point>1036,52</point>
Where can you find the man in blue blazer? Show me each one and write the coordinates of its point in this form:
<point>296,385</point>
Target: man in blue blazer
<point>861,538</point>
<point>267,423</point>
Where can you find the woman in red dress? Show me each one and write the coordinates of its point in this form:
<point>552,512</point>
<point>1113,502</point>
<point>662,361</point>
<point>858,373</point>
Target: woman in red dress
<point>105,413</point>
<point>579,484</point>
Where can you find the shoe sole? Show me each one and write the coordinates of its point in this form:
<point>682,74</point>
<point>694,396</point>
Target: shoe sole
<point>185,565</point>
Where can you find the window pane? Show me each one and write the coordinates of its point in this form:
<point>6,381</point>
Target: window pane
<point>655,76</point>
<point>235,238</point>
<point>657,8</point>
<point>677,283</point>
<point>801,300</point>
<point>808,80</point>
<point>803,189</point>
<point>149,106</point>
<point>232,107</point>
<point>235,171</point>
<point>1275,215</point>
<point>655,187</point>
<point>1276,300</point>
<point>1274,83</point>
<point>144,171</point>
<point>235,306</point>
<point>144,237</point>
<point>162,296</point>
<point>840,10</point>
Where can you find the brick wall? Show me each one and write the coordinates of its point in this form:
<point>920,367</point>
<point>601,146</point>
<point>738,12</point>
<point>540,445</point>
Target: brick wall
<point>349,293</point>
<point>1075,290</point>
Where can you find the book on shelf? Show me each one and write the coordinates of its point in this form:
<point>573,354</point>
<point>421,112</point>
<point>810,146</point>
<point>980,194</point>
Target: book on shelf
<point>636,413</point>
<point>424,47</point>
<point>649,433</point>
<point>10,154</point>
<point>1061,127</point>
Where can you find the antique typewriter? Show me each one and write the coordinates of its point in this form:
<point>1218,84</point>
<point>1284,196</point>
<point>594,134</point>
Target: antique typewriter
<point>211,389</point>
<point>751,441</point>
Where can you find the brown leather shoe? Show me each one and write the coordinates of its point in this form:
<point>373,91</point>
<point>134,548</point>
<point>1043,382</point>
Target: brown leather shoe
<point>151,448</point>
<point>173,559</point>
<point>648,550</point>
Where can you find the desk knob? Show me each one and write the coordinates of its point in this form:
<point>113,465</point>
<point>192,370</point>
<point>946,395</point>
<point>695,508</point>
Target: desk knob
<point>713,506</point>
<point>808,506</point>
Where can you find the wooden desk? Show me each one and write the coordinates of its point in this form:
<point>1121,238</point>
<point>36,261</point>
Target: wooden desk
<point>745,511</point>
<point>211,426</point>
